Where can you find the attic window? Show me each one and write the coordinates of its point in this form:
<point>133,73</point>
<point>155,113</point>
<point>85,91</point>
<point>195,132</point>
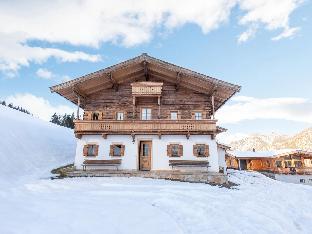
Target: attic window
<point>95,116</point>
<point>198,115</point>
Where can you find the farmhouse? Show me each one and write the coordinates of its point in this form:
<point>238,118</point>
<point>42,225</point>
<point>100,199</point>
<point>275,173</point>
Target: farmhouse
<point>283,164</point>
<point>145,114</point>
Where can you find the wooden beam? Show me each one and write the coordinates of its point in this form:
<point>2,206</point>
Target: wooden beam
<point>178,81</point>
<point>146,75</point>
<point>113,81</point>
<point>79,93</point>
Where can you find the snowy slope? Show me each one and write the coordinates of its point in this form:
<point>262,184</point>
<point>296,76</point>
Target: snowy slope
<point>137,205</point>
<point>30,148</point>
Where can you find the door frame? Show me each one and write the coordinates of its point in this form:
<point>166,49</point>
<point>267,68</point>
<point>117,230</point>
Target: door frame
<point>139,149</point>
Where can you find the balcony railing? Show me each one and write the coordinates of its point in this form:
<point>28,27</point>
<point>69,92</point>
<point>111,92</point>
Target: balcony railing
<point>145,126</point>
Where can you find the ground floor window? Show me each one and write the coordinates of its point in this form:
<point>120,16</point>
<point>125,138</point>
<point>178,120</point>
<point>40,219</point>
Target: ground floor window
<point>278,164</point>
<point>175,150</point>
<point>298,164</point>
<point>90,150</point>
<point>201,150</point>
<point>117,150</point>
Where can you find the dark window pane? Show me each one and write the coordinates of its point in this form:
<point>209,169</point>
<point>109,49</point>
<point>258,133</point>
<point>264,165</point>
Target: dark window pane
<point>145,149</point>
<point>175,150</point>
<point>117,150</point>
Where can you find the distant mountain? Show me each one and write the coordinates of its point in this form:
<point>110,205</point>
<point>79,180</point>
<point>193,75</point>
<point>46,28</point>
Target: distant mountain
<point>273,141</point>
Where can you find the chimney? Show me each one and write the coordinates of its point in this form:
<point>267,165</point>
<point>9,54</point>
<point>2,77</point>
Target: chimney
<point>253,150</point>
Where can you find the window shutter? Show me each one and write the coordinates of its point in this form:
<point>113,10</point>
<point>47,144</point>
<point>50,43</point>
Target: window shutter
<point>169,150</point>
<point>206,150</point>
<point>96,150</point>
<point>111,150</point>
<point>180,151</point>
<point>195,150</point>
<point>85,150</point>
<point>122,151</point>
<point>193,115</point>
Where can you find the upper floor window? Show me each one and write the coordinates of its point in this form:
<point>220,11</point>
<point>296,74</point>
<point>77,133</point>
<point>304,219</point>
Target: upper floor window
<point>198,115</point>
<point>95,116</point>
<point>120,116</point>
<point>174,115</point>
<point>146,114</point>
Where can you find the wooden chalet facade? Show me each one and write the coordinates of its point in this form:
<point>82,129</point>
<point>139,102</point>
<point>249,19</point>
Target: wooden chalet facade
<point>147,114</point>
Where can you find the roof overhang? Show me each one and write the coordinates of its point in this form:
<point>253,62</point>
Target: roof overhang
<point>142,68</point>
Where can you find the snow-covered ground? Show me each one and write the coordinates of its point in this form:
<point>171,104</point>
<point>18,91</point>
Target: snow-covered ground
<point>134,205</point>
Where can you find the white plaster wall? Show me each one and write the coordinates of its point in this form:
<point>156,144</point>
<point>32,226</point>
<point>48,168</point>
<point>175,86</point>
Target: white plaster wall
<point>129,160</point>
<point>221,158</point>
<point>160,160</point>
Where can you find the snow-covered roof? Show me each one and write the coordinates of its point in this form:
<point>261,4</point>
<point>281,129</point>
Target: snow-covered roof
<point>266,154</point>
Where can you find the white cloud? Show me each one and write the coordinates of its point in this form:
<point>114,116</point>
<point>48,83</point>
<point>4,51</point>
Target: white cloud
<point>38,106</point>
<point>273,14</point>
<point>91,22</point>
<point>44,74</point>
<point>288,32</point>
<point>247,34</point>
<point>249,108</point>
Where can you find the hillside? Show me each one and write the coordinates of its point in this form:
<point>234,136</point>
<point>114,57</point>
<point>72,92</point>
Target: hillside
<point>260,142</point>
<point>30,147</point>
<point>32,203</point>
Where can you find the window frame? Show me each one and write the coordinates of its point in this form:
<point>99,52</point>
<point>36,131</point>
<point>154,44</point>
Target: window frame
<point>206,150</point>
<point>122,113</point>
<point>174,112</point>
<point>146,114</point>
<point>112,151</point>
<point>95,148</point>
<point>198,115</point>
<point>178,150</point>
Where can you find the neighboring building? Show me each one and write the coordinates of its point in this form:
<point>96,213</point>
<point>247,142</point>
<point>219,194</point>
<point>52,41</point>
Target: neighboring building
<point>280,163</point>
<point>147,114</point>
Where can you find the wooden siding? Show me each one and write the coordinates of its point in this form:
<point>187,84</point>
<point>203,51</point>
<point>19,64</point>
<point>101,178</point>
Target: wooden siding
<point>111,101</point>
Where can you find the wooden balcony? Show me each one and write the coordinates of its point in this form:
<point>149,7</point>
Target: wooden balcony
<point>161,127</point>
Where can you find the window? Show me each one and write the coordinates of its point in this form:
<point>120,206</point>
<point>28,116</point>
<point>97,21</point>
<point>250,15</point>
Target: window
<point>145,150</point>
<point>302,180</point>
<point>174,115</point>
<point>90,150</point>
<point>298,164</point>
<point>201,150</point>
<point>95,116</point>
<point>175,150</point>
<point>146,114</point>
<point>278,164</point>
<point>120,116</point>
<point>198,115</point>
<point>287,163</point>
<point>117,150</point>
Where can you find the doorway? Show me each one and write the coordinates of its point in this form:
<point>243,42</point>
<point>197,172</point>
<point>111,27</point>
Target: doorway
<point>242,164</point>
<point>145,155</point>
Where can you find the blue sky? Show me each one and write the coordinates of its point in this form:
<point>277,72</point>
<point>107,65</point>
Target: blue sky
<point>228,40</point>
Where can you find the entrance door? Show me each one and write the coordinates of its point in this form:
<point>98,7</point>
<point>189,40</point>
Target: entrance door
<point>145,155</point>
<point>243,164</point>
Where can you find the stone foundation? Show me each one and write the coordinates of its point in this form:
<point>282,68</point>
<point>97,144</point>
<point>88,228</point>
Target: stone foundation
<point>176,175</point>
